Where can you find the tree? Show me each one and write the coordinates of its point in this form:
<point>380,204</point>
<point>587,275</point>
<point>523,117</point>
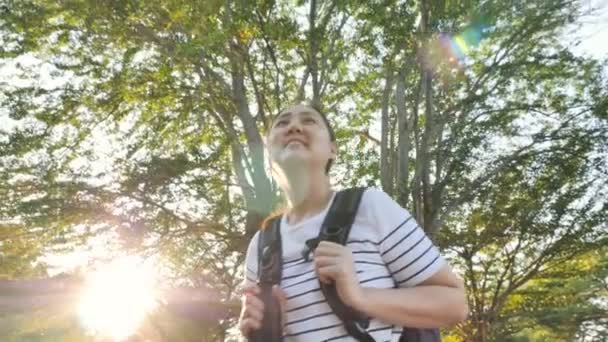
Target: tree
<point>560,305</point>
<point>169,88</point>
<point>476,126</point>
<point>150,132</point>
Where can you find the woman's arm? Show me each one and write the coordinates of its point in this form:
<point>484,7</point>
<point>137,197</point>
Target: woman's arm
<point>428,293</point>
<point>437,302</point>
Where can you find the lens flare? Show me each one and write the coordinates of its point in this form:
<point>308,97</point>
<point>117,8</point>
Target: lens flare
<point>447,53</point>
<point>117,298</point>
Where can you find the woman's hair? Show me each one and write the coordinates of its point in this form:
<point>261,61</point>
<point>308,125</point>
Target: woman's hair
<point>317,108</point>
<point>272,216</point>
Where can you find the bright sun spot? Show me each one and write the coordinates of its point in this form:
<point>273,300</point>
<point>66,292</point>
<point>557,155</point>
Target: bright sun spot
<point>117,298</point>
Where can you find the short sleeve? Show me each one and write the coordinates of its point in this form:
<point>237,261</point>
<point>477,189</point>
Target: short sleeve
<point>251,260</point>
<point>408,253</point>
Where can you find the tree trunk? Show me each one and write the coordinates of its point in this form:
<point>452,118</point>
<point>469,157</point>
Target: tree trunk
<point>249,162</point>
<point>386,178</point>
<point>403,146</point>
<point>427,137</point>
<point>314,50</point>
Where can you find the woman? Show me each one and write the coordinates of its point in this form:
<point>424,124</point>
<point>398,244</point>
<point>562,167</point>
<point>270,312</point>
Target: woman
<point>389,270</point>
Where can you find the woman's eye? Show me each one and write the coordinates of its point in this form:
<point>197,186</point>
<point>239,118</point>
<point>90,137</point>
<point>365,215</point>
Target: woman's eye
<point>309,120</point>
<point>281,123</point>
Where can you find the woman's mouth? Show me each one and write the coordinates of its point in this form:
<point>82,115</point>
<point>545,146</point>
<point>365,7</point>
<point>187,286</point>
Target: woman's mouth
<point>295,143</point>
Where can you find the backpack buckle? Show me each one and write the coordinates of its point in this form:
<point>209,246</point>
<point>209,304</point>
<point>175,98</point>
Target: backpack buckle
<point>331,233</point>
<point>269,262</point>
<point>310,246</point>
<point>327,234</point>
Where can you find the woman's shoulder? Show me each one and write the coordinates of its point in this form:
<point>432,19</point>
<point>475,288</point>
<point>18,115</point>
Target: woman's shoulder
<point>252,247</point>
<point>381,210</point>
<point>371,194</point>
<point>376,200</point>
<point>375,193</point>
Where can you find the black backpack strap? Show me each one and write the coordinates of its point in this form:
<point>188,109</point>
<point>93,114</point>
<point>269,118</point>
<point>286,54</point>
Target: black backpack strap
<point>420,335</point>
<point>270,253</point>
<point>338,220</point>
<point>270,265</point>
<point>336,228</point>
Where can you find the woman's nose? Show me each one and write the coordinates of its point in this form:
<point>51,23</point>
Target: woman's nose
<point>294,126</point>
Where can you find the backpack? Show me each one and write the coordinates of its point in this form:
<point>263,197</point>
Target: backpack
<point>335,228</point>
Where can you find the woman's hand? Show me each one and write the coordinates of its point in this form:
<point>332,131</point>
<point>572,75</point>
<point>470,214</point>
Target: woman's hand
<point>252,311</point>
<point>335,263</point>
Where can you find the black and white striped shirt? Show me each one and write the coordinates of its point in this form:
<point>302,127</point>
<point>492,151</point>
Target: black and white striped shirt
<point>389,248</point>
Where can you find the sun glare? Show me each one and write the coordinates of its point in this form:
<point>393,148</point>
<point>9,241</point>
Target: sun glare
<point>117,298</point>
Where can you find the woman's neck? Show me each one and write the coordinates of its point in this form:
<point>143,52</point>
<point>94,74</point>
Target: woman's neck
<point>307,196</point>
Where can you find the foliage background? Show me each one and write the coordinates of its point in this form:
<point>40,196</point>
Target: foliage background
<point>137,127</point>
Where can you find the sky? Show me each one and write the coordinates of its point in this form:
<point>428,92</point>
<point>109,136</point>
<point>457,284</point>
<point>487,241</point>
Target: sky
<point>593,32</point>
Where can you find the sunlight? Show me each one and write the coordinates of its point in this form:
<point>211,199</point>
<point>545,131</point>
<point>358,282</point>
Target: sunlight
<point>117,298</point>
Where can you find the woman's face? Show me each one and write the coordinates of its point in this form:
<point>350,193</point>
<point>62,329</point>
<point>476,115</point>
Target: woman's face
<point>300,138</point>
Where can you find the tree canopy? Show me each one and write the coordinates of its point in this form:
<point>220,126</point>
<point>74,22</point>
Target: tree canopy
<point>138,126</point>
